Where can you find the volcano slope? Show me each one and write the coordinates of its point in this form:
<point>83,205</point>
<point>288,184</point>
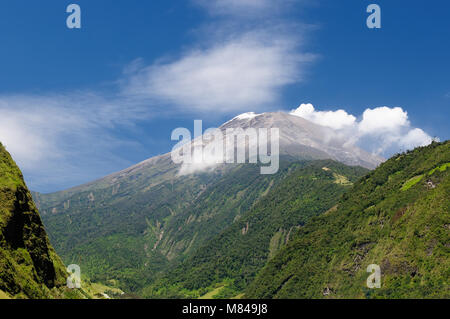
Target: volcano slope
<point>397,217</point>
<point>130,226</point>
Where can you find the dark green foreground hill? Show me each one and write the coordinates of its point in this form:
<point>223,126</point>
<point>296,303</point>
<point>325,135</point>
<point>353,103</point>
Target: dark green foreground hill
<point>29,267</point>
<point>396,217</point>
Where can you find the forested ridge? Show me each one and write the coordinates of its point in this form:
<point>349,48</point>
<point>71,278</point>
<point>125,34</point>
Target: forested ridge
<point>397,217</point>
<point>231,259</point>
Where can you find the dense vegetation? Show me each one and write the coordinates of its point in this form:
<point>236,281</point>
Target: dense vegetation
<point>309,231</point>
<point>128,231</point>
<point>397,217</point>
<point>231,259</point>
<point>29,267</point>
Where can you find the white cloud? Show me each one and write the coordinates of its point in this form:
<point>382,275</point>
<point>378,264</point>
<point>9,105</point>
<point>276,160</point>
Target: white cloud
<point>65,139</point>
<point>247,9</point>
<point>202,159</point>
<point>415,137</point>
<point>334,119</point>
<point>382,130</point>
<point>249,70</point>
<point>240,7</point>
<point>383,119</point>
<point>233,66</point>
<point>27,147</point>
<point>236,64</point>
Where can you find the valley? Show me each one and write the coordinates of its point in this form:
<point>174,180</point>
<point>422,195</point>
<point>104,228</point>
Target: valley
<point>224,158</point>
<point>133,225</point>
<point>308,231</point>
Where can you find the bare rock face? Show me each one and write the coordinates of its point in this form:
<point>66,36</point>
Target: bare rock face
<point>304,139</point>
<point>299,138</point>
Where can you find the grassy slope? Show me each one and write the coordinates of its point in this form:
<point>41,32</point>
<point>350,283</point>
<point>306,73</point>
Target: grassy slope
<point>232,258</point>
<point>390,218</point>
<point>29,267</point>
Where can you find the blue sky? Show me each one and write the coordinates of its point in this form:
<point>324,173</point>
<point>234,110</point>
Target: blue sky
<point>76,105</point>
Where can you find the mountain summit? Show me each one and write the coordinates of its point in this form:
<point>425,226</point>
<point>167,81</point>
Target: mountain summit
<point>133,224</point>
<point>303,139</point>
<point>299,138</point>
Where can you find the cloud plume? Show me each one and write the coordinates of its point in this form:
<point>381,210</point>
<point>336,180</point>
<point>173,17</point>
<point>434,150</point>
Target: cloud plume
<point>236,62</point>
<point>227,77</point>
<point>66,139</point>
<point>381,130</point>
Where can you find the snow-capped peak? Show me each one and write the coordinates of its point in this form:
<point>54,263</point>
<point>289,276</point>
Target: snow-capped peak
<point>243,116</point>
<point>246,116</point>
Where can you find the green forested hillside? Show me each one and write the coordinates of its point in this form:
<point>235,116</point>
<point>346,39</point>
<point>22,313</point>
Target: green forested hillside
<point>231,259</point>
<point>397,217</point>
<point>131,230</point>
<point>29,267</point>
<point>129,226</point>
